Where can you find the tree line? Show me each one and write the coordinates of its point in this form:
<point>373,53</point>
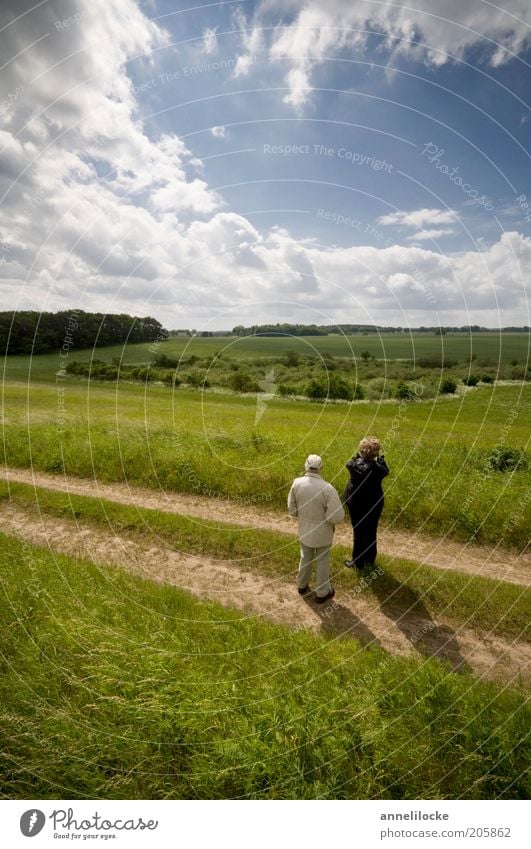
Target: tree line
<point>326,330</point>
<point>35,332</point>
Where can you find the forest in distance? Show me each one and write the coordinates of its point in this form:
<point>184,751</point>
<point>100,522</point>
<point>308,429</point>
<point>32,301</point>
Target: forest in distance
<point>33,332</point>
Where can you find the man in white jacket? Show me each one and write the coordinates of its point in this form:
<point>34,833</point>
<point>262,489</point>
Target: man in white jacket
<point>316,504</point>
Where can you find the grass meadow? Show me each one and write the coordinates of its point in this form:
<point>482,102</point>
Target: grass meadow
<point>114,687</point>
<point>247,449</point>
<point>117,687</point>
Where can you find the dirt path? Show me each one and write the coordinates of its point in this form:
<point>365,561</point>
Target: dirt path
<point>349,615</point>
<point>441,553</point>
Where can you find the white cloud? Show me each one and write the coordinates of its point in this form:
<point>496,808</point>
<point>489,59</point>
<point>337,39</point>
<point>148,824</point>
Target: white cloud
<point>252,42</point>
<point>91,193</point>
<point>418,217</point>
<point>431,233</point>
<point>436,31</point>
<point>219,132</point>
<point>429,220</point>
<point>98,214</point>
<point>210,41</point>
<point>78,98</point>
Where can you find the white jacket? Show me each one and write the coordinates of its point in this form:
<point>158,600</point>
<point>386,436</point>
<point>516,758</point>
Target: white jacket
<point>316,505</point>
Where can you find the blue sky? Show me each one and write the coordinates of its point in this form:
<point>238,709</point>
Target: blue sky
<point>241,162</point>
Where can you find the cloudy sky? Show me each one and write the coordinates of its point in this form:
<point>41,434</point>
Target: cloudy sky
<point>348,160</point>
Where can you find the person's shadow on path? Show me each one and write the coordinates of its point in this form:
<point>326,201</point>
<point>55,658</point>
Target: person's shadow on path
<point>405,608</point>
<point>339,620</point>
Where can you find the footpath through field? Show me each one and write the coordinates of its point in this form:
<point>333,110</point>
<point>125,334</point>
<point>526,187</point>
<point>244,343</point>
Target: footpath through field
<point>441,553</point>
<point>396,631</point>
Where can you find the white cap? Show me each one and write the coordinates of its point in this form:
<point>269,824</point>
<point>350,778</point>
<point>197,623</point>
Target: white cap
<point>313,463</point>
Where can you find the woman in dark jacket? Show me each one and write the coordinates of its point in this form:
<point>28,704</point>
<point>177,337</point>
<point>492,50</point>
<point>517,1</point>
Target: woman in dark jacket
<point>364,499</point>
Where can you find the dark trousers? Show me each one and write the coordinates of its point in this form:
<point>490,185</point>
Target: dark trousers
<point>365,525</point>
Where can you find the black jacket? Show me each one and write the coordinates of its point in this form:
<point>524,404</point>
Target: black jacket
<point>364,488</point>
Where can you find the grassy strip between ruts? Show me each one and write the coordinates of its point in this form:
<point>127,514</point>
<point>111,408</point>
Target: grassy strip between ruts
<point>404,587</point>
<point>116,687</point>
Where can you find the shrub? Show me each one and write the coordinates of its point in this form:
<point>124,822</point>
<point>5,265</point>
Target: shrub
<point>291,359</point>
<point>471,380</point>
<point>241,381</point>
<point>171,379</point>
<point>96,369</point>
<point>404,392</point>
<point>163,361</point>
<point>507,459</point>
<point>110,373</point>
<point>359,394</point>
<point>379,388</point>
<point>316,389</point>
<point>197,379</point>
<point>487,378</point>
<point>339,388</point>
<point>448,386</point>
<point>145,375</point>
<point>285,389</point>
<point>335,388</point>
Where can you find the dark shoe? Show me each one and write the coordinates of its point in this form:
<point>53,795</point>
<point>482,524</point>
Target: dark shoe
<point>320,599</point>
<point>304,590</point>
<point>349,564</point>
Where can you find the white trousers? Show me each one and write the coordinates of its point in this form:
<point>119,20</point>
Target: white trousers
<point>321,557</point>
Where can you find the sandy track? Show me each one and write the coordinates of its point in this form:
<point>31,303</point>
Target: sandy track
<point>398,631</point>
<point>441,553</point>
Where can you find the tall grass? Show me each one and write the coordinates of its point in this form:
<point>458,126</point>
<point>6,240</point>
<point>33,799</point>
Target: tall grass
<point>113,687</point>
<point>441,481</point>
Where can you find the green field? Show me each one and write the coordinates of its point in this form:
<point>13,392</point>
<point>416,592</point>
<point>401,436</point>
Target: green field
<point>213,444</point>
<point>113,687</point>
<point>118,687</point>
<point>496,348</point>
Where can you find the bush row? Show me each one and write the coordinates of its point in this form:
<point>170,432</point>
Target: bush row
<point>320,386</point>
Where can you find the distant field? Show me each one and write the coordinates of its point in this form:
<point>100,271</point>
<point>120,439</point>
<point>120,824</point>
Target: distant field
<point>492,347</point>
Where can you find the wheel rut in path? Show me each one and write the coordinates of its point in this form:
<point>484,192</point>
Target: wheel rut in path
<point>347,615</point>
<point>442,553</point>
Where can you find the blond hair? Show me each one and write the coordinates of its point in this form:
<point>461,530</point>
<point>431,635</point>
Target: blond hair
<point>369,448</point>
